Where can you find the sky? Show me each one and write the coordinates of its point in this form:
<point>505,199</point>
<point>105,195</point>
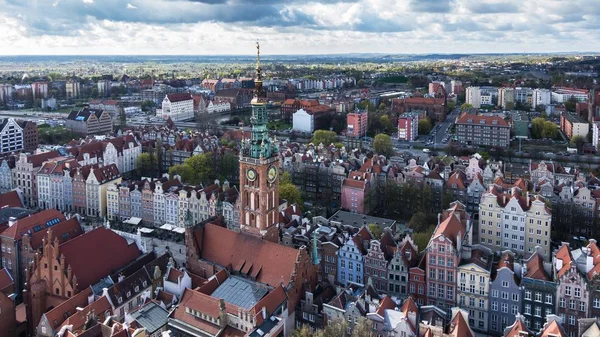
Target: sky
<point>216,27</point>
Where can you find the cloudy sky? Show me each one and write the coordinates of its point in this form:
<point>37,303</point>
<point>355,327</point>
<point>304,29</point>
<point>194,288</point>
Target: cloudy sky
<point>199,27</point>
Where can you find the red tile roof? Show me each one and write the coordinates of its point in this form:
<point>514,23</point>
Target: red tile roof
<point>179,97</point>
<point>386,303</point>
<point>517,327</point>
<point>99,307</point>
<point>270,302</point>
<point>482,120</point>
<point>24,225</point>
<point>38,159</point>
<point>5,279</point>
<point>459,327</point>
<point>67,308</point>
<point>63,231</point>
<point>273,263</point>
<point>535,268</point>
<point>553,330</point>
<point>174,275</point>
<point>564,254</point>
<point>10,199</point>
<point>101,248</point>
<point>450,228</point>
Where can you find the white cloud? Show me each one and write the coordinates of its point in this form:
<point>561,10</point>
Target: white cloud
<point>314,27</point>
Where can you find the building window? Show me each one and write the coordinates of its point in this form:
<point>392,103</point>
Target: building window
<point>527,294</point>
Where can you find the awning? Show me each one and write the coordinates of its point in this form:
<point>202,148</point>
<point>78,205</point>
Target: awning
<point>167,227</point>
<point>133,221</point>
<point>179,230</point>
<point>146,230</point>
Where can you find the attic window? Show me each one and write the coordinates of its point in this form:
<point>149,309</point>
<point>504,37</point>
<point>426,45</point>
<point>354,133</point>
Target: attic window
<point>129,294</point>
<point>137,289</point>
<point>482,121</point>
<point>144,284</point>
<point>120,300</point>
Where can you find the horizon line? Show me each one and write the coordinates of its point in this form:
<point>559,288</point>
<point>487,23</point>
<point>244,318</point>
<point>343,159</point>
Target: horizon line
<point>597,53</point>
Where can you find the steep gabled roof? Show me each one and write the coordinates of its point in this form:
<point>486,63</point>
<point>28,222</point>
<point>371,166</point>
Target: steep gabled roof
<point>564,254</point>
<point>459,327</point>
<point>67,308</point>
<point>101,248</point>
<point>271,262</point>
<point>535,268</point>
<point>553,330</point>
<point>517,328</point>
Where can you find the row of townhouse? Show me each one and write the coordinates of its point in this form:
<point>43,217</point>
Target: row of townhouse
<point>514,219</point>
<point>167,201</point>
<point>454,270</point>
<point>21,172</point>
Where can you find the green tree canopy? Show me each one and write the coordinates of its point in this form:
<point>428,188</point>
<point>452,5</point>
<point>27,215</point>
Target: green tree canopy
<point>146,165</point>
<point>375,230</point>
<point>571,104</point>
<point>419,222</point>
<point>203,167</point>
<point>290,193</point>
<point>425,126</point>
<point>184,171</point>
<point>386,123</point>
<point>466,106</point>
<point>325,137</point>
<point>578,142</point>
<point>286,178</point>
<point>383,145</point>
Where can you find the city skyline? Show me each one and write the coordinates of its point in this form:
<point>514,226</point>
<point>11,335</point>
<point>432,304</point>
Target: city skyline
<point>221,27</point>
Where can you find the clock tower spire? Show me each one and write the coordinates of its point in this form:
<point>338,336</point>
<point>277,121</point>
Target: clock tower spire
<point>259,170</point>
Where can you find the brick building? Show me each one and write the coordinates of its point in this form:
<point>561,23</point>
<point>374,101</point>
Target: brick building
<point>63,269</point>
<point>435,108</point>
<point>90,122</point>
<point>483,130</point>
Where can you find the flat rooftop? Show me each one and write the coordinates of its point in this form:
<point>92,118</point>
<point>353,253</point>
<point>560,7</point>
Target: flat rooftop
<point>240,292</point>
<point>358,220</point>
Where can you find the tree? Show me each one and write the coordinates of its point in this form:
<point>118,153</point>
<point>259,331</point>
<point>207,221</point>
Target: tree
<point>290,193</point>
<point>285,178</point>
<point>203,166</point>
<point>146,164</point>
<point>425,126</point>
<point>422,239</point>
<point>385,122</point>
<point>335,328</point>
<point>383,145</point>
<point>325,137</point>
<point>571,104</point>
<point>304,331</point>
<point>382,106</point>
<point>419,222</point>
<point>363,328</point>
<point>466,106</point>
<point>418,81</point>
<point>229,168</point>
<point>375,230</point>
<point>184,171</point>
<point>361,83</point>
<point>94,92</point>
<point>578,142</point>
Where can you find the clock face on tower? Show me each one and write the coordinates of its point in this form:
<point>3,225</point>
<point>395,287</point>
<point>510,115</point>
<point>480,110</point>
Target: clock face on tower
<point>251,174</point>
<point>272,174</point>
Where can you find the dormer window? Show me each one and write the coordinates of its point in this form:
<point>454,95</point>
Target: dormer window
<point>144,284</point>
<point>120,300</point>
<point>129,294</point>
<point>137,289</point>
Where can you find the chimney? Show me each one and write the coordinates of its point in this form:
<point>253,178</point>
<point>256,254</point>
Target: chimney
<point>11,221</point>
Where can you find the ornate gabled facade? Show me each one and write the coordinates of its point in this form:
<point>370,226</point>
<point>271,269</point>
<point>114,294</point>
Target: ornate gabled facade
<point>572,291</point>
<point>62,270</point>
<point>505,292</point>
<point>405,256</point>
<point>443,254</point>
